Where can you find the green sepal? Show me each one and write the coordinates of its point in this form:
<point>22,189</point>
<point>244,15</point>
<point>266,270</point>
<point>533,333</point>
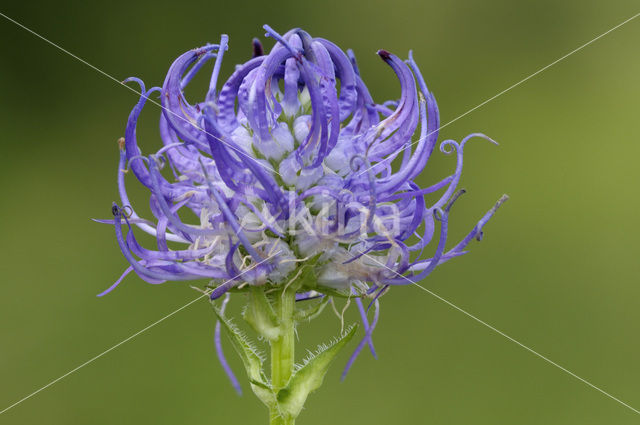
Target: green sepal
<point>312,312</point>
<point>309,376</point>
<point>335,293</point>
<point>308,278</point>
<point>259,314</point>
<point>251,358</point>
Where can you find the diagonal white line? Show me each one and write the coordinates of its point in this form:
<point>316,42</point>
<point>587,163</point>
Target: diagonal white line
<point>544,68</point>
<point>499,332</point>
<point>91,360</point>
<point>408,146</point>
<point>109,76</point>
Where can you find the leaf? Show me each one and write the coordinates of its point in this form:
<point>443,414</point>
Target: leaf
<point>309,376</point>
<point>251,358</point>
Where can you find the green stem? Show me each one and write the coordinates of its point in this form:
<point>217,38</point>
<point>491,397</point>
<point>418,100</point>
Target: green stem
<point>282,349</point>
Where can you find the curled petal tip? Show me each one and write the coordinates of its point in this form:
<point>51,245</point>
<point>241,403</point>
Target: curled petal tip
<point>384,54</point>
<point>454,198</point>
<point>438,214</point>
<point>257,48</point>
<point>135,80</point>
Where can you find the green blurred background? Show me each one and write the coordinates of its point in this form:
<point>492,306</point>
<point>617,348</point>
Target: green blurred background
<point>558,268</point>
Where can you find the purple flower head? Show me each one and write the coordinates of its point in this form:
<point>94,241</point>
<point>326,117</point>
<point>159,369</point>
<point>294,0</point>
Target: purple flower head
<point>289,164</point>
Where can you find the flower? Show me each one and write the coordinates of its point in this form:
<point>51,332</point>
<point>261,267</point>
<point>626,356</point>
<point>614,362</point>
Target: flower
<point>290,164</point>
